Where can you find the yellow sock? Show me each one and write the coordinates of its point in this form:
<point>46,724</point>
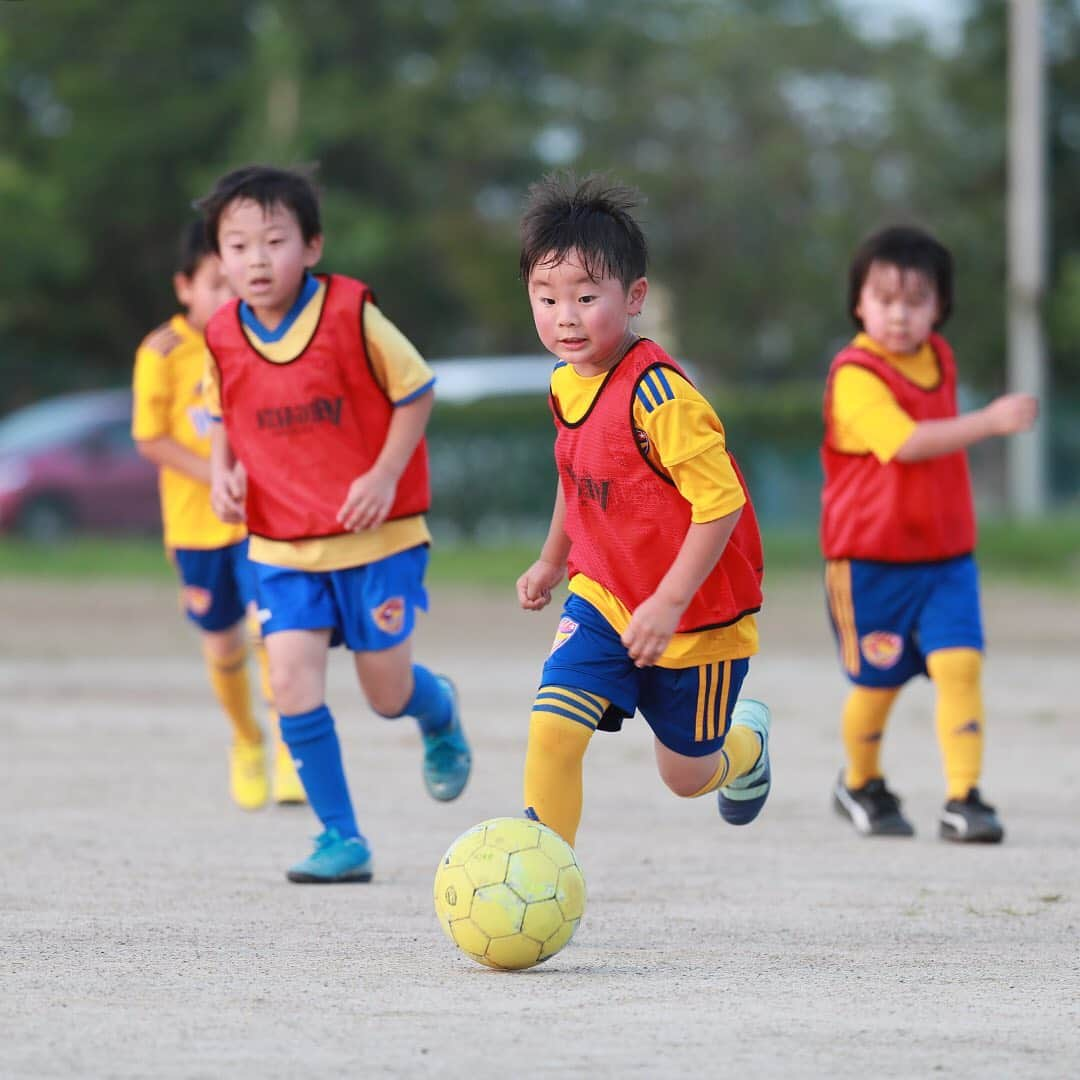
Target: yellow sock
<point>863,723</point>
<point>561,726</point>
<point>742,748</point>
<point>262,659</point>
<point>229,681</point>
<point>957,676</point>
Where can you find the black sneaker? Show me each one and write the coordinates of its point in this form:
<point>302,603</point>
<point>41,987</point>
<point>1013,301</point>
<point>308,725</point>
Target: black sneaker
<point>970,821</point>
<point>873,809</point>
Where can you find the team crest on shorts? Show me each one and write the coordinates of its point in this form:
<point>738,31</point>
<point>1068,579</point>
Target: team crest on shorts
<point>389,616</point>
<point>566,630</point>
<point>197,600</point>
<point>882,649</point>
<point>642,440</point>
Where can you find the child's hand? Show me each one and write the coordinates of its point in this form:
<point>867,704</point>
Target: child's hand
<point>228,494</point>
<point>651,628</point>
<point>535,585</point>
<point>1012,413</point>
<point>368,502</point>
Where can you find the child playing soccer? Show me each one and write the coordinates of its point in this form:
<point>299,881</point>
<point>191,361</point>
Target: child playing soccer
<point>898,529</point>
<point>324,405</point>
<point>652,525</point>
<point>171,429</point>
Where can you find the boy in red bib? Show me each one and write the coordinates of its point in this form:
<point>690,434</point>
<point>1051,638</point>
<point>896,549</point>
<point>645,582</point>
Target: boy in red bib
<point>321,451</point>
<point>652,525</point>
<point>898,529</point>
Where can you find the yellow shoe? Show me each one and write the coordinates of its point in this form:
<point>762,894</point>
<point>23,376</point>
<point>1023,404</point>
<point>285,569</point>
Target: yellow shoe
<point>247,775</point>
<point>287,786</point>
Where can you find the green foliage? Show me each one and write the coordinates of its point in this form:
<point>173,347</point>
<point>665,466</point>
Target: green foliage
<point>88,558</point>
<point>1045,552</point>
<point>1039,553</point>
<point>768,138</point>
<point>85,558</point>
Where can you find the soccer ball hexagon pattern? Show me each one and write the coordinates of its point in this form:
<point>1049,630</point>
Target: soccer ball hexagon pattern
<point>509,893</point>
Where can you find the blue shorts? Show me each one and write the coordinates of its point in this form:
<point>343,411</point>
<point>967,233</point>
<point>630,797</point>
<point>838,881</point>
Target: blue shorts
<point>217,584</point>
<point>688,709</point>
<point>888,617</point>
<point>368,607</point>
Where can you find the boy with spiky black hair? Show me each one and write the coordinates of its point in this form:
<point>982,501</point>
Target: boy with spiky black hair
<point>652,525</point>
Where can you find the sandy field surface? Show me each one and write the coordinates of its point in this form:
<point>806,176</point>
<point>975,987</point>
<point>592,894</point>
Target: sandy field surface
<point>147,930</point>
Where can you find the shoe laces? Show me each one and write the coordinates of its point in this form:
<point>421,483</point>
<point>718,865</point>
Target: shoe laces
<point>883,799</point>
<point>444,748</point>
<point>973,801</point>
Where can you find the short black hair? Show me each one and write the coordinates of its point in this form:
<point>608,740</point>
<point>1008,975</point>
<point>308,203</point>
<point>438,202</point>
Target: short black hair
<point>907,248</point>
<point>268,186</point>
<point>590,216</point>
<point>193,247</point>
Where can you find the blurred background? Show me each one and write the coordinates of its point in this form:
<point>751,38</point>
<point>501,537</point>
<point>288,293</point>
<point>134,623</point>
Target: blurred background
<point>768,138</point>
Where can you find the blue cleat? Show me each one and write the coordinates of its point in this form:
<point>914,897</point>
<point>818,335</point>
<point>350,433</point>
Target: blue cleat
<point>335,859</point>
<point>447,758</point>
<point>742,800</point>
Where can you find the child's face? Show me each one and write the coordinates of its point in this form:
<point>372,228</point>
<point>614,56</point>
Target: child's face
<point>582,321</point>
<point>203,292</point>
<point>265,256</point>
<point>898,308</point>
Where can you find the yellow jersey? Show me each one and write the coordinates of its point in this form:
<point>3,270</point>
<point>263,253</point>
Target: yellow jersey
<point>168,402</point>
<point>866,414</point>
<point>686,443</point>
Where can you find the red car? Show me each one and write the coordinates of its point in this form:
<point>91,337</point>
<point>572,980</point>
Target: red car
<point>69,463</point>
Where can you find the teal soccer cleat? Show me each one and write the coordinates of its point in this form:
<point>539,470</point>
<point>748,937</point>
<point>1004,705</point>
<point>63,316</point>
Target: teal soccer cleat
<point>447,758</point>
<point>335,859</point>
<point>742,800</point>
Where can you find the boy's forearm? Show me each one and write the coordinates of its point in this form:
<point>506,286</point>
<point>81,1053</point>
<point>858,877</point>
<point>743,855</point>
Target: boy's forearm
<point>168,453</point>
<point>700,552</point>
<point>933,438</point>
<point>221,455</point>
<point>407,427</point>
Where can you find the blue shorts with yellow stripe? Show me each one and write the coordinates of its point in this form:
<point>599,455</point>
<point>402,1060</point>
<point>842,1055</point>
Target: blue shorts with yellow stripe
<point>889,617</point>
<point>368,608</point>
<point>688,709</point>
<point>216,584</point>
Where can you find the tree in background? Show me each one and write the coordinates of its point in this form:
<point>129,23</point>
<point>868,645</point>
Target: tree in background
<point>767,136</point>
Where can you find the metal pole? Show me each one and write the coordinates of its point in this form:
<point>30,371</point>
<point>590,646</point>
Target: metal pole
<point>1027,488</point>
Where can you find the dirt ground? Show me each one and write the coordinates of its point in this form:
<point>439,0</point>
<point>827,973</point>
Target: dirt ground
<point>147,928</point>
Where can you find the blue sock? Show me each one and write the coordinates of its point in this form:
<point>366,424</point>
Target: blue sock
<point>315,749</point>
<point>430,702</point>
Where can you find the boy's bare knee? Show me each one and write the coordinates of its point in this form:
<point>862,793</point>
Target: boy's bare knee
<point>387,679</point>
<point>223,645</point>
<point>295,689</point>
<point>389,702</point>
<point>684,786</point>
<point>684,776</point>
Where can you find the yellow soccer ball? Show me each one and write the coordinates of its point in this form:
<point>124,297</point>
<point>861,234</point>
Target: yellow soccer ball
<point>509,893</point>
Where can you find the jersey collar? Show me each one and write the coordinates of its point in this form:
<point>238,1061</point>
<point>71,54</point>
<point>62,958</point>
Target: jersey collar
<point>248,318</point>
